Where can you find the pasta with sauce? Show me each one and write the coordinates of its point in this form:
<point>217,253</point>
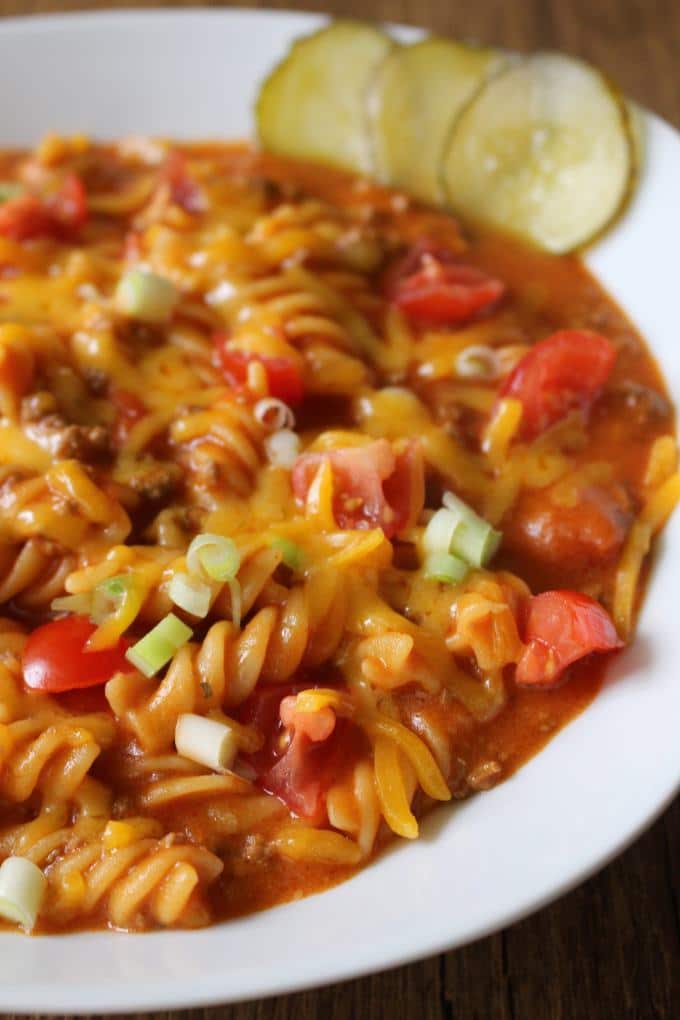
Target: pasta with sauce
<point>314,512</point>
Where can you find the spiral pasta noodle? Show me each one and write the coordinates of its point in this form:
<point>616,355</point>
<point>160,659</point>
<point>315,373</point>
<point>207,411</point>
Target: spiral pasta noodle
<point>144,879</point>
<point>51,754</point>
<point>34,573</point>
<point>223,445</point>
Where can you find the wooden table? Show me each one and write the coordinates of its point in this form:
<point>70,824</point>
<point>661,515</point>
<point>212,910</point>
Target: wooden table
<point>611,949</point>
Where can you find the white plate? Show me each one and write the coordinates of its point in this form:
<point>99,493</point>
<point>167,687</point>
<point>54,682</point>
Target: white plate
<point>495,858</point>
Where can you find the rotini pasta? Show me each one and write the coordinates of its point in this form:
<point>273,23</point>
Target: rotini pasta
<point>291,533</point>
<point>129,878</point>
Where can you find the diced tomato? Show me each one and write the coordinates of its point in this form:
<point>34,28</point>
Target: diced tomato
<point>561,627</point>
<point>412,262</point>
<point>373,487</point>
<point>564,371</point>
<point>184,191</point>
<point>68,207</point>
<point>28,216</point>
<point>294,765</point>
<point>24,217</point>
<point>404,489</point>
<point>55,659</point>
<point>284,379</point>
<point>431,286</point>
<point>129,410</point>
<point>303,774</point>
<point>84,700</point>
<point>263,711</point>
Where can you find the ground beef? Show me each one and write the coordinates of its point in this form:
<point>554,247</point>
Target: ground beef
<point>640,404</point>
<point>64,441</point>
<point>38,405</point>
<point>154,480</point>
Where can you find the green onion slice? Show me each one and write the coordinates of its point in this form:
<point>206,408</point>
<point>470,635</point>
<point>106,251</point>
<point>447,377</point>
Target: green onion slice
<point>291,554</point>
<point>22,891</point>
<point>208,742</point>
<point>115,587</point>
<point>98,604</point>
<point>157,647</point>
<point>145,296</point>
<point>438,534</point>
<point>191,594</point>
<point>214,556</point>
<point>473,538</point>
<point>445,567</point>
<point>109,596</point>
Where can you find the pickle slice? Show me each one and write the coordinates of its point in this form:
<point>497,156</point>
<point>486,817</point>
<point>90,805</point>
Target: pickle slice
<point>417,93</point>
<point>313,104</point>
<point>638,134</point>
<point>544,150</point>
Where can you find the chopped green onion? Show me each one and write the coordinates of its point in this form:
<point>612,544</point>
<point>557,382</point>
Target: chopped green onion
<point>291,554</point>
<point>98,604</point>
<point>274,414</point>
<point>477,362</point>
<point>458,530</point>
<point>157,647</point>
<point>145,296</point>
<point>215,556</point>
<point>115,586</point>
<point>438,534</point>
<point>22,891</point>
<point>9,189</point>
<point>206,741</point>
<point>190,594</point>
<point>445,567</point>
<point>282,448</point>
<point>473,538</point>
<point>109,595</point>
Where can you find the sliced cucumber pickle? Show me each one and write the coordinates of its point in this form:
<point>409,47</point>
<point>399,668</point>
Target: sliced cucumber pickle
<point>312,106</point>
<point>638,134</point>
<point>415,98</point>
<point>543,150</point>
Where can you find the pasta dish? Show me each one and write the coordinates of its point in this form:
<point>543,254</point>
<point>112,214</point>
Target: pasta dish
<point>317,510</point>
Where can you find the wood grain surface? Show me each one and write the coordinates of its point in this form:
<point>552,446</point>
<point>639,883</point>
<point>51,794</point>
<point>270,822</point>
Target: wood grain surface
<point>611,949</point>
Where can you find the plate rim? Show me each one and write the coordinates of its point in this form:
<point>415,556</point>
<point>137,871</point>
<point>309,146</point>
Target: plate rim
<point>163,993</point>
